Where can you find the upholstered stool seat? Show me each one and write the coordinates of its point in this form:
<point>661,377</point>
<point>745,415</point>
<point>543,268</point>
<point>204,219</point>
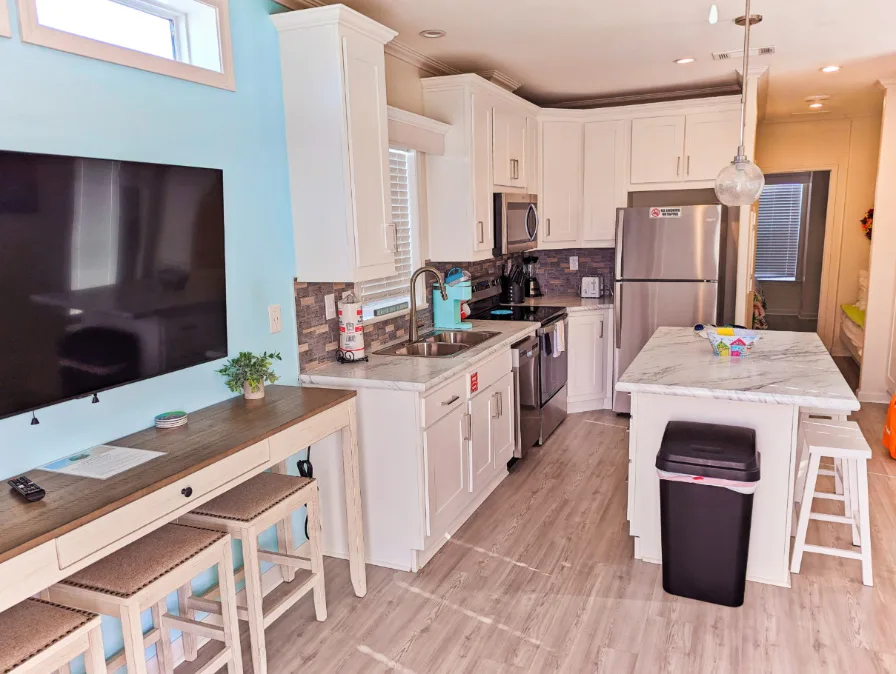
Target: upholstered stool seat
<point>140,576</point>
<point>245,512</point>
<point>39,636</point>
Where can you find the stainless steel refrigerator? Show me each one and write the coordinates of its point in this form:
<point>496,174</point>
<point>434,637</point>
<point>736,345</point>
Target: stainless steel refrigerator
<point>668,267</point>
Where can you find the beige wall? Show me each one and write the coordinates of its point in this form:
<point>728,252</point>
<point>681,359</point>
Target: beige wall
<point>849,148</point>
<point>403,88</point>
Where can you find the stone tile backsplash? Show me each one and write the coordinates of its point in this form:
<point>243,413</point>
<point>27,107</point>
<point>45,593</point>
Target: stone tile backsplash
<point>556,278</point>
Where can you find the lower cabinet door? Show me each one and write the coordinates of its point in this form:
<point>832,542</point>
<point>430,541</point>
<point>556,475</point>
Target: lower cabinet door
<point>447,470</point>
<point>503,420</point>
<point>587,341</point>
<point>482,450</point>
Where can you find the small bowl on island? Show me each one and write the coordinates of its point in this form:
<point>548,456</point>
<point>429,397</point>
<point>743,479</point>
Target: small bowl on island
<point>732,342</point>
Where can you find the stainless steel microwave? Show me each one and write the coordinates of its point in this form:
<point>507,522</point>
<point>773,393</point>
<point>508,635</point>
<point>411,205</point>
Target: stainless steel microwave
<point>516,223</point>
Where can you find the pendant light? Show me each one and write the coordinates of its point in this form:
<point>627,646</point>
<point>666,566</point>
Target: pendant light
<point>741,182</point>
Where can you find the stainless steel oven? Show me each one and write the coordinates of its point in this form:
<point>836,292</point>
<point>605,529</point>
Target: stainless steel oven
<point>516,223</point>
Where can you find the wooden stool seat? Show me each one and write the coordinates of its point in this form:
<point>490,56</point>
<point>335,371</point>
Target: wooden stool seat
<point>34,628</point>
<point>253,498</point>
<point>140,576</point>
<point>245,512</point>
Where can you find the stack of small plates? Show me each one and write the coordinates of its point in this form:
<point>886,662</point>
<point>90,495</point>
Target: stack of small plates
<point>171,420</point>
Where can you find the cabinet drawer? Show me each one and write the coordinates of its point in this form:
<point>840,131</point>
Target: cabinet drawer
<point>488,373</point>
<point>159,507</point>
<point>447,399</point>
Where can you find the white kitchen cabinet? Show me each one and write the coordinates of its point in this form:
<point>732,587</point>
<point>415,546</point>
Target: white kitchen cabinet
<point>604,182</point>
<point>502,403</point>
<point>591,353</point>
<point>483,205</point>
<point>560,203</point>
<point>710,142</point>
<point>531,155</point>
<point>447,475</point>
<point>334,92</point>
<point>657,149</point>
<point>482,449</point>
<point>510,144</point>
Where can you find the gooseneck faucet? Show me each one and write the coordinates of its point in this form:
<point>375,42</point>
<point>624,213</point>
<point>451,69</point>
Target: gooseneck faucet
<point>413,333</point>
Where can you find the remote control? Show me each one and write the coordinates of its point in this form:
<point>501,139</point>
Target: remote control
<point>27,489</point>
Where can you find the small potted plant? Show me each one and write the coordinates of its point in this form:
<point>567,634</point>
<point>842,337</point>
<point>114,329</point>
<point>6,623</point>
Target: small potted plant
<point>248,373</point>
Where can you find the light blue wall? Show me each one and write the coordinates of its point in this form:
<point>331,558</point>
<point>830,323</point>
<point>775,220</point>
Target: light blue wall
<point>64,104</point>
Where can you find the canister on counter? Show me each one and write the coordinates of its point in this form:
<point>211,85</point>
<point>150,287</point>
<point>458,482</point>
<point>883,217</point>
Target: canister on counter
<point>351,330</point>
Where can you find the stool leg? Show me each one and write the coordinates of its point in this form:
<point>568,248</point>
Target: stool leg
<point>189,641</point>
<point>132,631</point>
<point>254,599</point>
<point>286,546</point>
<point>317,558</point>
<point>802,470</point>
<point>805,509</point>
<point>65,669</point>
<point>851,496</point>
<point>838,472</point>
<point>229,618</point>
<point>864,521</point>
<point>164,656</point>
<point>95,657</point>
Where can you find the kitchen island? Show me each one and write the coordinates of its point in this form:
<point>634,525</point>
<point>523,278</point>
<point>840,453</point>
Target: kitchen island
<point>677,377</point>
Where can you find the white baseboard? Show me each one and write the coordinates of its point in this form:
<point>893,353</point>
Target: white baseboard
<point>873,396</point>
<point>589,405</point>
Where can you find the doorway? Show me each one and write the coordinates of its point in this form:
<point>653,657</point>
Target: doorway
<point>790,237</point>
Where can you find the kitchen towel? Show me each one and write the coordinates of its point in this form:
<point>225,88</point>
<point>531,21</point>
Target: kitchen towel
<point>559,339</point>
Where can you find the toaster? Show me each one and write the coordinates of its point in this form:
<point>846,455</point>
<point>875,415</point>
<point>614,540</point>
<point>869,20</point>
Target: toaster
<point>592,286</point>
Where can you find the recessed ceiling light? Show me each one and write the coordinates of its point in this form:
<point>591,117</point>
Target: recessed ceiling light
<point>830,69</point>
<point>816,105</point>
<point>685,60</point>
<point>432,33</point>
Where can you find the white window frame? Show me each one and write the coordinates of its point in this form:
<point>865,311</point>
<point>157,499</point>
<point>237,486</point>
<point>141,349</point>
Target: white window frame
<point>35,33</point>
<point>5,28</point>
<point>416,249</point>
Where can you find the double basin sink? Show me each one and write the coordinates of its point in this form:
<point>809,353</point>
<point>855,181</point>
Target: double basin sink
<point>440,344</point>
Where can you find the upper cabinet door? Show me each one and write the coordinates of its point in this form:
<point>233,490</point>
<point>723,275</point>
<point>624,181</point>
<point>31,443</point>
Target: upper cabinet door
<point>483,203</point>
<point>604,181</point>
<point>561,170</point>
<point>711,140</point>
<point>509,149</point>
<point>368,154</point>
<point>532,155</point>
<point>658,149</point>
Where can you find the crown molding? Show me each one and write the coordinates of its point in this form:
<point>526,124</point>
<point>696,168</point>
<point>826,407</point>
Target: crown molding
<point>502,80</point>
<point>477,82</point>
<point>333,15</point>
<point>888,83</point>
<point>653,97</point>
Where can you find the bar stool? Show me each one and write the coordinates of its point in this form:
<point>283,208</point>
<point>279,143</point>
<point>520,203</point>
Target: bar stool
<point>245,512</point>
<point>140,576</point>
<point>39,637</point>
<point>809,415</point>
<point>843,442</point>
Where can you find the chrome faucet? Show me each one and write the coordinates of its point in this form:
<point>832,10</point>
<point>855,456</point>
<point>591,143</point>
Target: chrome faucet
<point>412,332</point>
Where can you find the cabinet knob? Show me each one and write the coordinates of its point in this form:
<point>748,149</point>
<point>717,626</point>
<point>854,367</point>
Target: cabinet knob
<point>187,491</point>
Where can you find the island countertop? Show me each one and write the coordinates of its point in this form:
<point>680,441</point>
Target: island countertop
<point>786,368</point>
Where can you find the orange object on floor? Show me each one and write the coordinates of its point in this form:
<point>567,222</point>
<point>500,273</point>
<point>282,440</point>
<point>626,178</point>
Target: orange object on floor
<point>890,429</point>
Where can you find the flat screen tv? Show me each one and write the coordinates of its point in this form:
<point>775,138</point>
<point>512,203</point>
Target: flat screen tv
<point>110,272</point>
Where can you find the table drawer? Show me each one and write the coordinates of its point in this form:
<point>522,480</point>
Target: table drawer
<point>27,574</point>
<point>159,507</point>
<point>443,401</point>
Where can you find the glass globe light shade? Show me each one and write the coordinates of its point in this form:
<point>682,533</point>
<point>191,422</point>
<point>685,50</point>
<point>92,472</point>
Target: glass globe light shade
<point>740,183</point>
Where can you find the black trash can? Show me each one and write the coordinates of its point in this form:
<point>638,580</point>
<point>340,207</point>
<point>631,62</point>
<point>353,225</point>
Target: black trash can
<point>707,475</point>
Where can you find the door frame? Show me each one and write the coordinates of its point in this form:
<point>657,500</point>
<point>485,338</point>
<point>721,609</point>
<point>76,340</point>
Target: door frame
<point>833,240</point>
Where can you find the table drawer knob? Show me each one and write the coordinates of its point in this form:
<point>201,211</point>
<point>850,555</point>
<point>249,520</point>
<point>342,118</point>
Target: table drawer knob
<point>187,491</point>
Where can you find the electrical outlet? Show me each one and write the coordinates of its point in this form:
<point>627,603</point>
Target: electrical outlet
<point>330,306</point>
<point>574,263</point>
<point>275,318</point>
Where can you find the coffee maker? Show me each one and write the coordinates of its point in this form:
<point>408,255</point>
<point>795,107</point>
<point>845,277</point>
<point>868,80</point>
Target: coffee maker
<point>530,284</point>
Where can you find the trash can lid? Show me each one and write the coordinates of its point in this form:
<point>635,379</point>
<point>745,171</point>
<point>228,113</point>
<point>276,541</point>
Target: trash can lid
<point>710,450</point>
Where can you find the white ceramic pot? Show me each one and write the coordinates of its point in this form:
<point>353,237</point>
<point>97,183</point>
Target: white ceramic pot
<point>249,394</point>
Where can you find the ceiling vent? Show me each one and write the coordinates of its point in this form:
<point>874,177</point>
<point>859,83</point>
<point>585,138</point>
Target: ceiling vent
<point>738,54</point>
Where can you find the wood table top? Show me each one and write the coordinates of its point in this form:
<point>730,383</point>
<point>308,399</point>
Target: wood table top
<point>212,434</point>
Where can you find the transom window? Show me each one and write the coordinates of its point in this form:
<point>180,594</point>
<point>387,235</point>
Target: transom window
<point>188,39</point>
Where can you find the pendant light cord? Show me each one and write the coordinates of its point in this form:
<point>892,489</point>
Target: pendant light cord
<point>743,94</point>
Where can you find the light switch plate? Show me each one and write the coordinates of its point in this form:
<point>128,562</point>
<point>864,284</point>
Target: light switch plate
<point>330,306</point>
<point>574,263</point>
<point>275,318</point>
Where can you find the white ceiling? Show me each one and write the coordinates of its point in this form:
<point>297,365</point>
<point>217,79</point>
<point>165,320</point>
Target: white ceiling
<point>564,50</point>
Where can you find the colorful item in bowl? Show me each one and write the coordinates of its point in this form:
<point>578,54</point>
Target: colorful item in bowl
<point>732,342</point>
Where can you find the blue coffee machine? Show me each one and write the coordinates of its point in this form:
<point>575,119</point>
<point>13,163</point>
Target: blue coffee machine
<point>446,313</point>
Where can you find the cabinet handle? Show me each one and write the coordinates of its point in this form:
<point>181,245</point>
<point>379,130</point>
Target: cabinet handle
<point>688,169</point>
<point>468,426</point>
<point>601,330</point>
<point>451,401</point>
<point>547,224</point>
<point>496,411</point>
<point>480,232</point>
<point>500,403</point>
<point>187,491</point>
<point>678,166</point>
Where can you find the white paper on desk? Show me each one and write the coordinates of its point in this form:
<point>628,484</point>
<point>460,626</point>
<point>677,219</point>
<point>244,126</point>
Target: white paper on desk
<point>101,462</point>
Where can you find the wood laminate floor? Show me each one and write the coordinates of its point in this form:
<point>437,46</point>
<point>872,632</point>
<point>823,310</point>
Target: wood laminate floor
<point>541,579</point>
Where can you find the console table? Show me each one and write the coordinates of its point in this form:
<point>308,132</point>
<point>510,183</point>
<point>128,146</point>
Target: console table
<point>82,520</point>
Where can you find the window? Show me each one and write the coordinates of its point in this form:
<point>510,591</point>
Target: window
<point>188,39</point>
<point>782,209</point>
<point>388,295</point>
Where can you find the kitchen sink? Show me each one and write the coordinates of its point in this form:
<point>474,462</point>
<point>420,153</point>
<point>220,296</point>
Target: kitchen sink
<point>425,350</point>
<point>459,337</point>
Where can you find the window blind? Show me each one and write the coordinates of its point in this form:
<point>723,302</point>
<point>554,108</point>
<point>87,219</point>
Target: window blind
<point>778,232</point>
<point>396,285</point>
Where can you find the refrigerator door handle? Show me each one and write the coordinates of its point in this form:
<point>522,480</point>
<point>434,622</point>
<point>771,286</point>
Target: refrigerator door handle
<point>620,220</point>
<point>617,308</point>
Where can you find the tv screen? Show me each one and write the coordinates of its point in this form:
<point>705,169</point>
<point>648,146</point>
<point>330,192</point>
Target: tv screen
<point>110,272</point>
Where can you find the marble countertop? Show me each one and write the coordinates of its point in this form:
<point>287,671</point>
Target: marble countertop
<point>787,368</point>
<point>407,373</point>
<point>572,303</point>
